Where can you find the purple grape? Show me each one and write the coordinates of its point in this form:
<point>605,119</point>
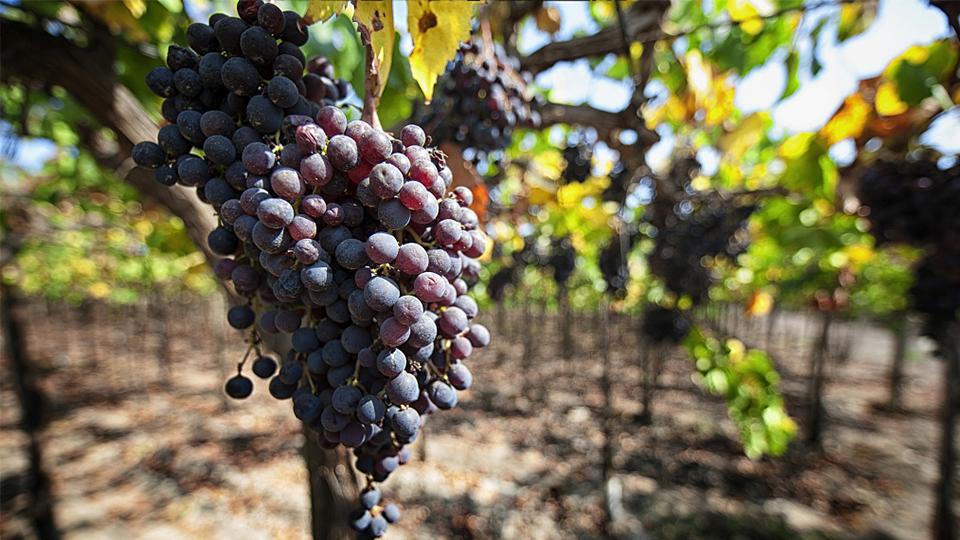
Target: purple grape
<point>459,376</point>
<point>412,135</point>
<point>287,184</point>
<point>402,389</point>
<point>429,287</point>
<point>382,248</point>
<point>375,146</point>
<point>342,152</point>
<point>408,310</point>
<point>311,138</point>
<point>393,333</point>
<point>412,259</point>
<point>313,206</point>
<point>460,348</point>
<point>275,213</point>
<point>463,195</point>
<point>302,227</point>
<point>478,335</point>
<point>332,121</point>
<point>399,161</point>
<point>385,180</point>
<point>391,362</point>
<point>452,322</point>
<point>258,158</point>
<point>316,170</point>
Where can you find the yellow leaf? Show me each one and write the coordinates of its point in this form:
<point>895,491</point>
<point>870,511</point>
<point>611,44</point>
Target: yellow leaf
<point>744,12</point>
<point>321,10</point>
<point>760,303</point>
<point>795,145</point>
<point>540,196</point>
<point>437,29</point>
<point>699,74</point>
<point>888,100</point>
<point>99,289</point>
<point>377,17</point>
<point>854,19</point>
<point>849,121</point>
<point>745,136</point>
<point>859,254</point>
<point>136,7</point>
<point>674,110</point>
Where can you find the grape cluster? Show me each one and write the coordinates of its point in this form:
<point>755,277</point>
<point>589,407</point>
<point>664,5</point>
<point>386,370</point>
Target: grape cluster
<point>563,260</point>
<point>664,325</point>
<point>619,185</point>
<point>613,262</point>
<point>916,202</point>
<point>578,158</point>
<point>712,229</point>
<point>479,101</point>
<point>339,235</point>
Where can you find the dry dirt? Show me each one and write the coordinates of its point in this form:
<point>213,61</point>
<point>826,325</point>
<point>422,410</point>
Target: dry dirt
<point>142,448</point>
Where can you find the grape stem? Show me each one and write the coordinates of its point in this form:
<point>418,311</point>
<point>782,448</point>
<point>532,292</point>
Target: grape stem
<point>372,83</point>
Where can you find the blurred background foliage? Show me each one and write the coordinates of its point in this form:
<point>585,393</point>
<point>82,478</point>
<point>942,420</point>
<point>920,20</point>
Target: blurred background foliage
<point>92,236</point>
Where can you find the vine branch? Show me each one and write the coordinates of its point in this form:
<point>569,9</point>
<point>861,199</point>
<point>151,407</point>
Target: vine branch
<point>641,25</point>
<point>372,85</point>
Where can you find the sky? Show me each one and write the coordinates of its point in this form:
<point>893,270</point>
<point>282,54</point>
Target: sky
<point>899,24</point>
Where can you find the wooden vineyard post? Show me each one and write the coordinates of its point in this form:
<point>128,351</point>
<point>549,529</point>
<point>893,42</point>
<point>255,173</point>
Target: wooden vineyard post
<point>900,333</point>
<point>945,520</point>
<point>818,360</point>
<point>333,488</point>
<point>32,416</point>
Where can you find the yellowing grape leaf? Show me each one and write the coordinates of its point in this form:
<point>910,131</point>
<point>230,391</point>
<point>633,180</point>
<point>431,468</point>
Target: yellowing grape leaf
<point>760,303</point>
<point>745,136</point>
<point>849,121</point>
<point>321,10</point>
<point>699,74</point>
<point>377,17</point>
<point>437,29</point>
<point>136,7</point>
<point>854,19</point>
<point>888,102</point>
<point>120,17</point>
<point>744,12</point>
<point>920,68</point>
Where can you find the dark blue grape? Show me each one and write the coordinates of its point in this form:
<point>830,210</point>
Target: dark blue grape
<point>264,367</point>
<point>239,387</point>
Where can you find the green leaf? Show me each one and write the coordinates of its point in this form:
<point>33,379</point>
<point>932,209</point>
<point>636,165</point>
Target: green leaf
<point>792,63</point>
<point>920,68</point>
<point>619,70</point>
<point>815,65</point>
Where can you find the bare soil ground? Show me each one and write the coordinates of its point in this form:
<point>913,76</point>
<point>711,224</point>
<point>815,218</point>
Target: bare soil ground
<point>141,442</point>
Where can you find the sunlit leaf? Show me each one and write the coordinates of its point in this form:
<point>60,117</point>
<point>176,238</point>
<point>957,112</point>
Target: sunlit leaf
<point>888,102</point>
<point>854,19</point>
<point>759,303</point>
<point>377,18</point>
<point>746,135</point>
<point>321,10</point>
<point>849,121</point>
<point>437,29</point>
<point>792,63</point>
<point>921,67</point>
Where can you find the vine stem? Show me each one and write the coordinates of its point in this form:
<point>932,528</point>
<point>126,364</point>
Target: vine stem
<point>372,84</point>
